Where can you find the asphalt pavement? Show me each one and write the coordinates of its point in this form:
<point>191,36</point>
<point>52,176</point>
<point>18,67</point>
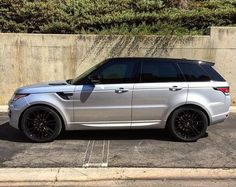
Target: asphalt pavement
<point>129,148</point>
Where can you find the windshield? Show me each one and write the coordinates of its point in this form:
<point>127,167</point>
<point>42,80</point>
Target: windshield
<point>86,73</point>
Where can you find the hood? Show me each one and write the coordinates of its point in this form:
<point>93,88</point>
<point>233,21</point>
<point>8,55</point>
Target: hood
<point>47,87</point>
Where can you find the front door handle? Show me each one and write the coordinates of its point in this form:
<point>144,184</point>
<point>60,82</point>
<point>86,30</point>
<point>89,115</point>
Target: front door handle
<point>175,88</point>
<point>121,90</point>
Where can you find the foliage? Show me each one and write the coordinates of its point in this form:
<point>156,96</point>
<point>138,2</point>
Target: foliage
<point>135,17</point>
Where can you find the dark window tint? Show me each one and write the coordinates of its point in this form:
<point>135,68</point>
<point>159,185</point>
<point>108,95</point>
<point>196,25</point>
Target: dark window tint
<point>153,71</point>
<point>114,72</point>
<point>193,72</point>
<point>212,73</point>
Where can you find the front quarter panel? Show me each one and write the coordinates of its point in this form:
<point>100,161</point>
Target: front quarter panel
<point>15,110</point>
<point>63,107</point>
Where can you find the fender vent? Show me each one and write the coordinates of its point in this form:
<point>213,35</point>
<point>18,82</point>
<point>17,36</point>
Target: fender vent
<point>66,96</point>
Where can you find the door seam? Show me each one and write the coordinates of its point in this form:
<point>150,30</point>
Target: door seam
<point>132,96</point>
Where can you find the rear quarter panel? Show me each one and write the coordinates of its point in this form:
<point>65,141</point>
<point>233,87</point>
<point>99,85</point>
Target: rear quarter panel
<point>214,102</point>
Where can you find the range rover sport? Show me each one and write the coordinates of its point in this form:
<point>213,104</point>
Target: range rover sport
<point>184,96</point>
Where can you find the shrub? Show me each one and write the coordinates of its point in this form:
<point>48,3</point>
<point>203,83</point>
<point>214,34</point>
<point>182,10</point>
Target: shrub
<point>115,16</point>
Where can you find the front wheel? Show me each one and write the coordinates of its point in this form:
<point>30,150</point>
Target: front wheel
<point>188,124</point>
<point>41,124</point>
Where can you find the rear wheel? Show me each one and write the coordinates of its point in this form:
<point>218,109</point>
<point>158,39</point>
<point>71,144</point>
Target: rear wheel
<point>41,124</point>
<point>188,124</point>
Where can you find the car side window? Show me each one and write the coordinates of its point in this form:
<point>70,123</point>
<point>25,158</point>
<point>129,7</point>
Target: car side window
<point>214,75</point>
<point>193,72</point>
<point>154,71</point>
<point>116,71</point>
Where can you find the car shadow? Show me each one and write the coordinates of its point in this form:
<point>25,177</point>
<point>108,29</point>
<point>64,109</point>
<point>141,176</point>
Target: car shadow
<point>156,134</point>
<point>11,134</point>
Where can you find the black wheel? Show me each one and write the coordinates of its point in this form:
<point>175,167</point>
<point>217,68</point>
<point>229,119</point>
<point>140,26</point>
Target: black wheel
<point>188,124</point>
<point>41,124</point>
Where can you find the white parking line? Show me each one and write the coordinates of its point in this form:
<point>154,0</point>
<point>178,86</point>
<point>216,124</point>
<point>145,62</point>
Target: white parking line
<point>91,151</point>
<point>3,122</point>
<point>89,154</point>
<point>86,153</point>
<point>105,152</point>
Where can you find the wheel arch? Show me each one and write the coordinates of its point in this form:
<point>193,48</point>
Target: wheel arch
<point>189,105</point>
<point>46,105</point>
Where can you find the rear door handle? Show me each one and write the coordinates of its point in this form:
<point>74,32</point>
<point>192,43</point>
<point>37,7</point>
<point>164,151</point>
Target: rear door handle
<point>175,88</point>
<point>121,90</point>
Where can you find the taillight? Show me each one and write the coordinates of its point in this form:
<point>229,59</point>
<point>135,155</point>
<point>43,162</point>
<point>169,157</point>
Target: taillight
<point>225,90</point>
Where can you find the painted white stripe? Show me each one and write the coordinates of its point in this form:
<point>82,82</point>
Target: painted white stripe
<point>86,152</point>
<point>89,154</point>
<point>3,122</point>
<point>95,165</point>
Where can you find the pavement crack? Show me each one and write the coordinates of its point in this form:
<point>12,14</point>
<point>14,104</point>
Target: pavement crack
<point>56,177</point>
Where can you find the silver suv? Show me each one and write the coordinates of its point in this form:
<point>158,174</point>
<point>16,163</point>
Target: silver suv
<point>184,96</point>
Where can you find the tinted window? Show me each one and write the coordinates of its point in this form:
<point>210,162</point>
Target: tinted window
<point>116,71</point>
<point>212,73</point>
<point>193,72</point>
<point>153,71</point>
<point>83,78</point>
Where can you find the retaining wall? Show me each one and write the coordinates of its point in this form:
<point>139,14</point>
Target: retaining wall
<point>31,58</point>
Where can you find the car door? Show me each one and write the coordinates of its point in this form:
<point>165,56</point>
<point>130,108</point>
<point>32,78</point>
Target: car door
<point>107,103</point>
<point>161,88</point>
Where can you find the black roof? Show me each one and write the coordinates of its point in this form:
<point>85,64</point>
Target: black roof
<point>164,59</point>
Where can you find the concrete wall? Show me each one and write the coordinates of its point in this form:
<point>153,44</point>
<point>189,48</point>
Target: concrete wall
<point>32,58</point>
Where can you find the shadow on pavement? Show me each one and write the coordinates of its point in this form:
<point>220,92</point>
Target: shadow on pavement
<point>8,133</point>
<point>157,134</point>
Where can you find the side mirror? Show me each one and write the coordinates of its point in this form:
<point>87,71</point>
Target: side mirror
<point>95,79</point>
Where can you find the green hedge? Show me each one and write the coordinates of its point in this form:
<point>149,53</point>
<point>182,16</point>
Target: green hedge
<point>115,16</point>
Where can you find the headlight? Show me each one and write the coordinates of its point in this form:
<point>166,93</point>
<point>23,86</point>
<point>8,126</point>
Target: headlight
<point>18,96</point>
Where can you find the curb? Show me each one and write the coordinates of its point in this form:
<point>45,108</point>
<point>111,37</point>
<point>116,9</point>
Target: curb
<point>9,175</point>
<point>232,109</point>
<point>4,108</point>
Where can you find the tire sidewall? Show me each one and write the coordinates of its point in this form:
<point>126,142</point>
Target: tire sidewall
<point>172,129</point>
<point>58,126</point>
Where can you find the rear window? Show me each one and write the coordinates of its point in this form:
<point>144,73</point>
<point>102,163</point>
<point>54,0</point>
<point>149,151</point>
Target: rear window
<point>212,73</point>
<point>193,72</point>
<point>154,71</point>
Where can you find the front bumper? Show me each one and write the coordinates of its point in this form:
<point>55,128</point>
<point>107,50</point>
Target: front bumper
<point>15,110</point>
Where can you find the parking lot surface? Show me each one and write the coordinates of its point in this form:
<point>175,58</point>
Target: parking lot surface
<point>129,148</point>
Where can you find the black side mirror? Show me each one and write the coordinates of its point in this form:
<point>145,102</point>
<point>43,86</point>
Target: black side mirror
<point>95,79</point>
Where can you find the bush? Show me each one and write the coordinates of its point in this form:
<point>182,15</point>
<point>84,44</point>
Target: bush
<point>133,17</point>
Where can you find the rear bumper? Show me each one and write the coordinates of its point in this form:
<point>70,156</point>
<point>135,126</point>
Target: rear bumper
<point>219,118</point>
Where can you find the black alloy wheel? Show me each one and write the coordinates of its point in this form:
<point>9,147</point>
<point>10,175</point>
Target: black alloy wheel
<point>188,124</point>
<point>41,124</point>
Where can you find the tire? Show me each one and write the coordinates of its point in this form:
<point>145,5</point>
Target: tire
<point>188,124</point>
<point>41,124</point>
